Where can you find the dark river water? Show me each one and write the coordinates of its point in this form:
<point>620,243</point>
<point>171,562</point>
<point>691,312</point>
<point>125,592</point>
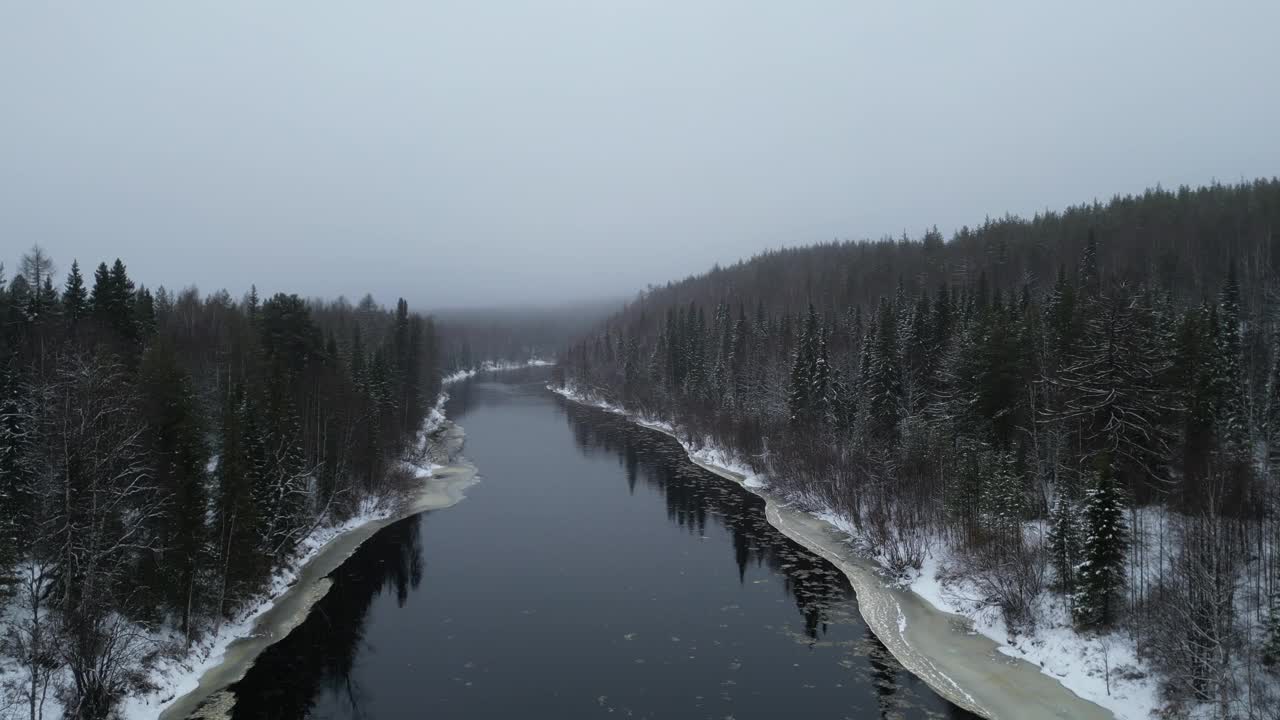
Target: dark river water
<point>593,572</point>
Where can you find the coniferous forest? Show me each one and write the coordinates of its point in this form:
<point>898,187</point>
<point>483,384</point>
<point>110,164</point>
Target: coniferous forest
<point>162,454</point>
<point>1082,406</point>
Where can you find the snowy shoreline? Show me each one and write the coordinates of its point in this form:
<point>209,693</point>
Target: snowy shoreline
<point>199,681</point>
<point>942,648</point>
<point>493,366</point>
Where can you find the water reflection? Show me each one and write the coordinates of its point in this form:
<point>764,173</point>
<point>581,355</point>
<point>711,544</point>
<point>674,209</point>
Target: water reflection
<point>822,594</point>
<point>529,613</point>
<point>693,496</point>
<point>315,665</point>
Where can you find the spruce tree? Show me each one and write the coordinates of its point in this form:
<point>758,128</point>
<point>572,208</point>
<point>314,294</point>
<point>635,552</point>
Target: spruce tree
<point>239,467</point>
<point>100,298</point>
<point>820,384</point>
<point>1003,498</point>
<point>883,391</point>
<point>176,440</point>
<point>1065,541</point>
<point>801,401</point>
<point>1100,575</point>
<point>75,298</point>
<point>144,315</point>
<point>1231,392</point>
<point>44,302</point>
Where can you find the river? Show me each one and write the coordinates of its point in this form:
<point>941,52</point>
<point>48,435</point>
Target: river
<point>593,572</point>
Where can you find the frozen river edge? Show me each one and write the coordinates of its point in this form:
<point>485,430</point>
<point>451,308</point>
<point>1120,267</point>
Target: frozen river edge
<point>940,648</point>
<point>209,700</point>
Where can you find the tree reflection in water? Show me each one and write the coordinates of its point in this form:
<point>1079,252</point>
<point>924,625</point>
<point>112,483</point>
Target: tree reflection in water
<point>543,649</point>
<point>319,656</point>
<point>821,593</point>
<point>694,495</point>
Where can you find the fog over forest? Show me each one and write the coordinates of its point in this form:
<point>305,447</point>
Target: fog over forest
<point>955,325</point>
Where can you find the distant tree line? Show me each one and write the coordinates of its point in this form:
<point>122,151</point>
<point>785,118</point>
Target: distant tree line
<point>161,455</point>
<point>471,336</point>
<point>1082,405</point>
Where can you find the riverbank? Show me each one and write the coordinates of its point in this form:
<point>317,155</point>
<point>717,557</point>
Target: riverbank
<point>969,669</point>
<point>493,366</point>
<point>198,687</point>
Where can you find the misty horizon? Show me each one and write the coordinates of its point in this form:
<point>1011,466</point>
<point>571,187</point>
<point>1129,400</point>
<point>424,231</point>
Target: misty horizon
<point>540,153</point>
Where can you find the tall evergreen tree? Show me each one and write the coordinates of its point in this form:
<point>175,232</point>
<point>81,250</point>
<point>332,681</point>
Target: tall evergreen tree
<point>1065,542</point>
<point>1230,390</point>
<point>176,440</point>
<point>883,388</point>
<point>144,314</point>
<point>1100,576</point>
<point>75,298</point>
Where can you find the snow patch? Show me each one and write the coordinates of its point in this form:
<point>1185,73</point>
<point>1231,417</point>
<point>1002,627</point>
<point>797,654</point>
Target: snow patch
<point>1103,668</point>
<point>493,366</point>
<point>705,451</point>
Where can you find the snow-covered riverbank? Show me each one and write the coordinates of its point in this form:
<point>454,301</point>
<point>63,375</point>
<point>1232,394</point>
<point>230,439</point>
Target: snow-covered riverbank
<point>493,366</point>
<point>200,677</point>
<point>969,663</point>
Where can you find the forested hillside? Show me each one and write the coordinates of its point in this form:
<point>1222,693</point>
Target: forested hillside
<point>1080,409</point>
<point>161,454</point>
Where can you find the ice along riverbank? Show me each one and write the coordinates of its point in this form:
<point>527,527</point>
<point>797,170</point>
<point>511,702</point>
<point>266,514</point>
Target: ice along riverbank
<point>939,647</point>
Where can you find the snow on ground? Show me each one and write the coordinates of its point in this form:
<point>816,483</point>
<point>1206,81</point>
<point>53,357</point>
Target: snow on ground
<point>1104,669</point>
<point>493,366</point>
<point>706,451</point>
<point>177,674</point>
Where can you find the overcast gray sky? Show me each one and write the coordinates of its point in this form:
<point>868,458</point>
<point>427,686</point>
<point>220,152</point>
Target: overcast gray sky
<point>501,151</point>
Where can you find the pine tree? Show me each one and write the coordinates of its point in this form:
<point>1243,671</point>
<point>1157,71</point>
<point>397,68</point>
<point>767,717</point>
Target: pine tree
<point>1065,541</point>
<point>1003,497</point>
<point>75,299</point>
<point>100,297</point>
<point>44,303</point>
<point>842,406</point>
<point>113,298</point>
<point>919,359</point>
<point>998,371</point>
<point>176,440</point>
<point>240,468</point>
<point>820,386</point>
<point>144,314</point>
<point>1100,575</point>
<point>883,390</point>
<point>1231,393</point>
<point>252,304</point>
<point>809,374</point>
